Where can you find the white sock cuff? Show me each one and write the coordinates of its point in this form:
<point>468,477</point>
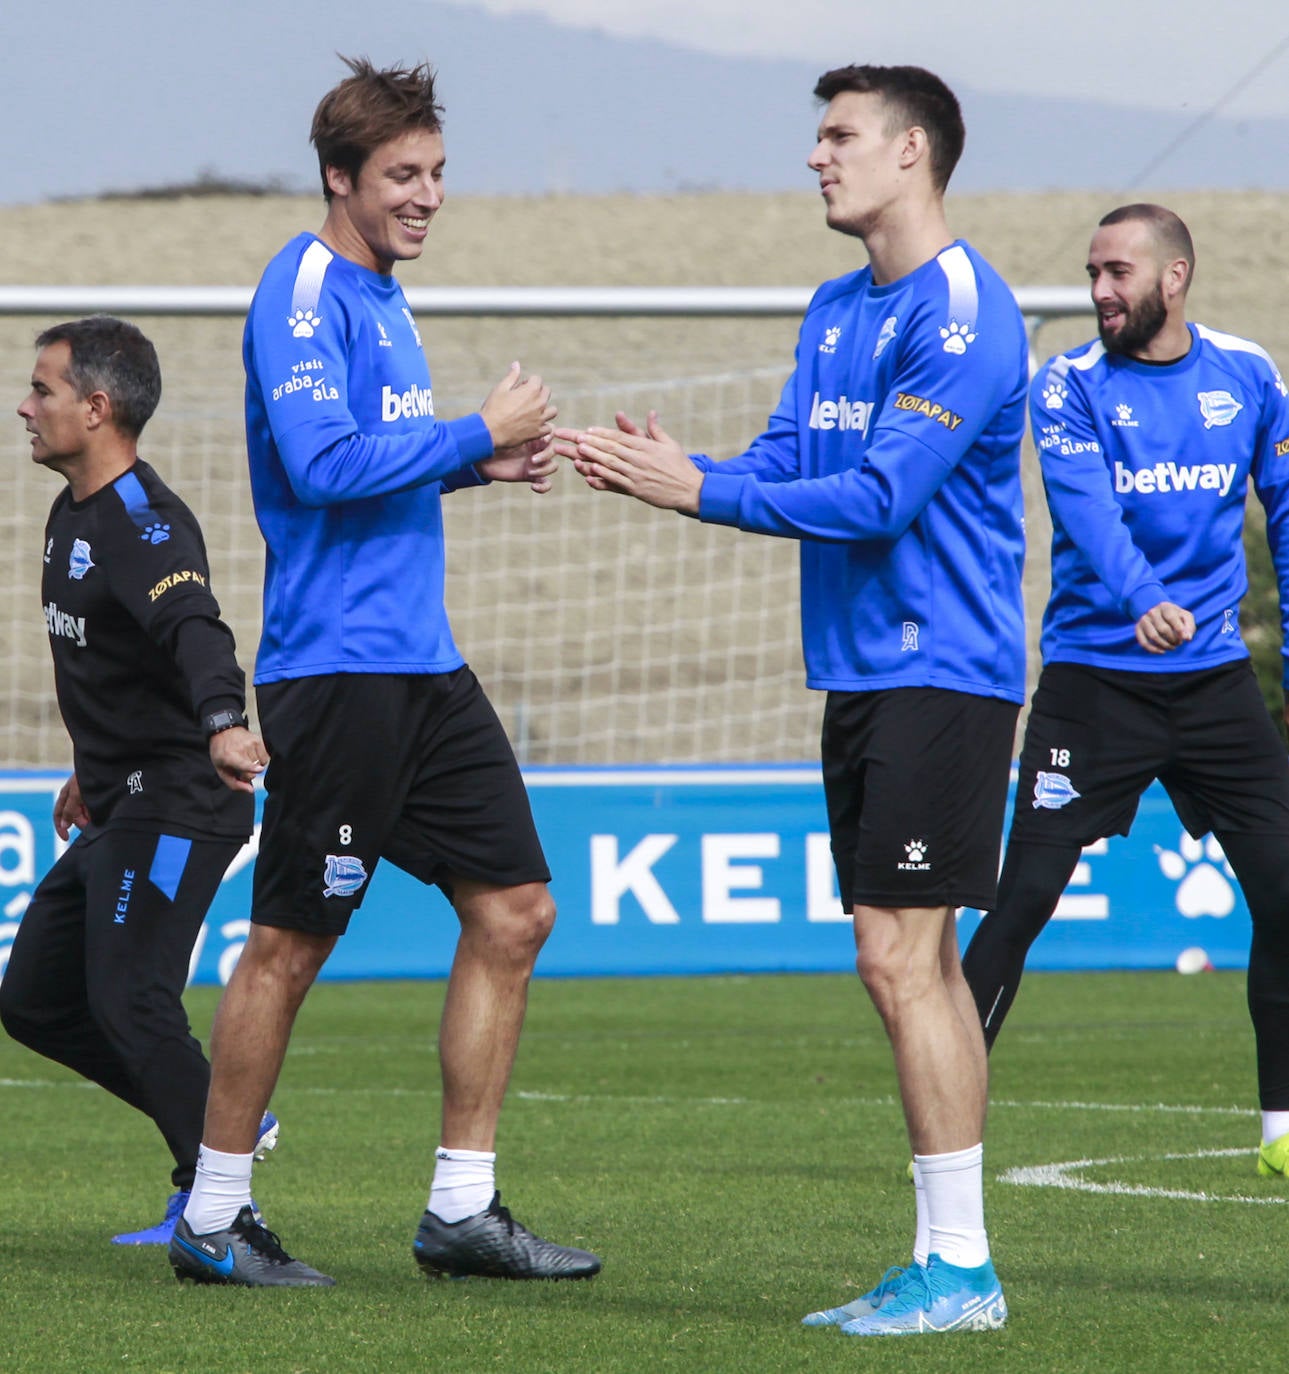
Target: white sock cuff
<point>466,1156</point>
<point>1274,1125</point>
<point>218,1164</point>
<point>970,1158</point>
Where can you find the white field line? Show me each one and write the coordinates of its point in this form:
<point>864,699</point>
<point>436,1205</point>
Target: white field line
<point>1069,1176</point>
<point>1131,1108</point>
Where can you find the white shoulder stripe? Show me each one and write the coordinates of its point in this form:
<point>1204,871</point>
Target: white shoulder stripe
<point>1232,343</point>
<point>1063,362</point>
<point>964,295</point>
<point>308,278</point>
<point>1091,358</point>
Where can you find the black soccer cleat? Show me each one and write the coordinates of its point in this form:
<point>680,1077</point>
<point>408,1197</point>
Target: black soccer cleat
<point>246,1253</point>
<point>494,1245</point>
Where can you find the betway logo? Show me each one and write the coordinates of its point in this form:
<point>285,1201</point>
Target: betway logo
<point>1170,477</point>
<point>65,626</point>
<point>840,414</point>
<point>415,401</point>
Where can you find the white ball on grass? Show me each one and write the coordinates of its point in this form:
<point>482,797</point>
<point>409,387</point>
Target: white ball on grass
<point>1193,960</point>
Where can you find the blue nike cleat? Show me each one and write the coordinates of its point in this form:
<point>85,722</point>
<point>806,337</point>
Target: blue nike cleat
<point>160,1233</point>
<point>891,1283</point>
<point>247,1253</point>
<point>940,1297</point>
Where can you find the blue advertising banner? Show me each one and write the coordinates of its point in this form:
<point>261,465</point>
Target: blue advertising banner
<point>700,870</point>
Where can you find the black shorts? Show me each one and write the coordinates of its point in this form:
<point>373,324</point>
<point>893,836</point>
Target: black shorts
<point>1098,737</point>
<point>410,767</point>
<point>915,779</point>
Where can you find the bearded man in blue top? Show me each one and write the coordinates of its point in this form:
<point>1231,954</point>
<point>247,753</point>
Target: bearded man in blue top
<point>894,458</point>
<point>1148,438</point>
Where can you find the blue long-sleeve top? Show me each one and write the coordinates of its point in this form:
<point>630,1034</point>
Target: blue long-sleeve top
<point>894,457</point>
<point>348,461</point>
<point>1146,468</point>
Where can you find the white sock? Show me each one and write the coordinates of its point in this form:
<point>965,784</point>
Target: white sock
<point>922,1235</point>
<point>1274,1125</point>
<point>464,1182</point>
<point>220,1190</point>
<point>955,1205</point>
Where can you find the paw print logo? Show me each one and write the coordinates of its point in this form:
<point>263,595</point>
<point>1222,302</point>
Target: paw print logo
<point>1124,412</point>
<point>831,335</point>
<point>155,534</point>
<point>1203,875</point>
<point>957,337</point>
<point>1054,394</point>
<point>303,323</point>
<point>916,850</point>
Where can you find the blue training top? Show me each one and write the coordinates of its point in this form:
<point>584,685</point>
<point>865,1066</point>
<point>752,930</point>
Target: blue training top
<point>1147,470</point>
<point>347,465</point>
<point>894,456</point>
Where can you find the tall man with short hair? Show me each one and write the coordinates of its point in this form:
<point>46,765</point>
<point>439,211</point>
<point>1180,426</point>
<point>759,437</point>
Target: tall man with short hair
<point>1148,438</point>
<point>152,697</point>
<point>384,745</point>
<point>894,457</point>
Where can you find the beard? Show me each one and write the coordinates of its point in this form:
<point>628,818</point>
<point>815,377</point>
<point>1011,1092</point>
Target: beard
<point>1140,324</point>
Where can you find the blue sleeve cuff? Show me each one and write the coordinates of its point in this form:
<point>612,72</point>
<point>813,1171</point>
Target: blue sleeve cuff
<point>472,437</point>
<point>1146,599</point>
<point>718,501</point>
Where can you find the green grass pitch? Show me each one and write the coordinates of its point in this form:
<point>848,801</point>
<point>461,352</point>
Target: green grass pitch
<point>732,1147</point>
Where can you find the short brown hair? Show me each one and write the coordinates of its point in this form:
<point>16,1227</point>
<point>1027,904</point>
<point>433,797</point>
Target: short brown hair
<point>913,96</point>
<point>369,108</point>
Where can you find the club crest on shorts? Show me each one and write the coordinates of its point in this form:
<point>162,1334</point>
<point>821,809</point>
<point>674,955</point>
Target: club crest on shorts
<point>343,875</point>
<point>1053,791</point>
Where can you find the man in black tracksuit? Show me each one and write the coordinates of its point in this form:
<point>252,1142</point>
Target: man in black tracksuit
<point>152,696</point>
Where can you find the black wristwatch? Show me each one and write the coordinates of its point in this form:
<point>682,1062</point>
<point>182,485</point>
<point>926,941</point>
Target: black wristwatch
<point>226,719</point>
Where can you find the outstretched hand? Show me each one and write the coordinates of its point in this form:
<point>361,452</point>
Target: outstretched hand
<point>533,462</point>
<point>649,465</point>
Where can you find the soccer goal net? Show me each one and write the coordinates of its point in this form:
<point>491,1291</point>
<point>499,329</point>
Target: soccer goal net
<point>604,632</point>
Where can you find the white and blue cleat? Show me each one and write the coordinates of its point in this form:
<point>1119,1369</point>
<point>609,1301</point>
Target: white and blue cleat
<point>939,1298</point>
<point>891,1283</point>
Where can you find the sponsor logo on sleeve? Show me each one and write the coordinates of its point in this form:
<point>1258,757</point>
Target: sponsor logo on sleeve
<point>1282,451</point>
<point>175,579</point>
<point>306,376</point>
<point>933,410</point>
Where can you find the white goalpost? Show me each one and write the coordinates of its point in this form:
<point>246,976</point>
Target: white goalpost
<point>603,632</point>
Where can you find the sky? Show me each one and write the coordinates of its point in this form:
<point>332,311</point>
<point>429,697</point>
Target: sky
<point>591,96</point>
<point>1160,54</point>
